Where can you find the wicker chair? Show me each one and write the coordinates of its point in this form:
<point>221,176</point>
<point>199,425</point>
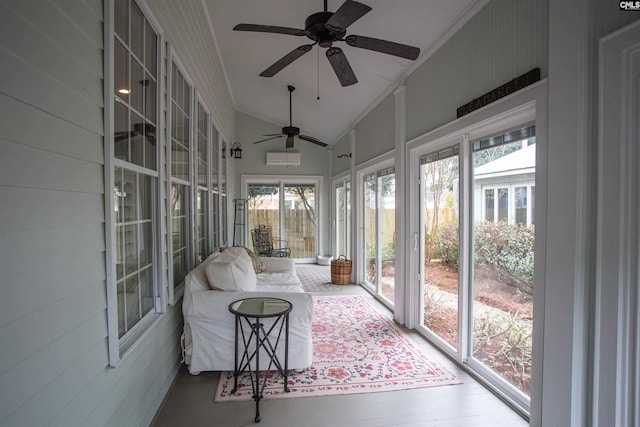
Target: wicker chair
<point>265,245</point>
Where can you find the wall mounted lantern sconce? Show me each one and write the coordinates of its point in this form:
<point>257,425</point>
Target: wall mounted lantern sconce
<point>344,155</point>
<point>236,151</point>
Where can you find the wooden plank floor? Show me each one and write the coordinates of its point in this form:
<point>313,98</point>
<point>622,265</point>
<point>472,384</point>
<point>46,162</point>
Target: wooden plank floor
<point>190,402</point>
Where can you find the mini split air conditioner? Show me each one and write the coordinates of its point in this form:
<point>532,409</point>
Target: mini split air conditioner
<point>283,159</point>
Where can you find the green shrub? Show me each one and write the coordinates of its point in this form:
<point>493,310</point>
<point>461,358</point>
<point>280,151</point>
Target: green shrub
<point>507,251</point>
<point>446,243</point>
<point>388,252</point>
<point>504,249</point>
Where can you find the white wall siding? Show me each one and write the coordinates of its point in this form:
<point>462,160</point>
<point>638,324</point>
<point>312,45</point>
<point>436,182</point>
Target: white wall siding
<point>47,132</point>
<point>53,322</point>
<point>375,133</point>
<point>503,40</point>
<point>343,146</point>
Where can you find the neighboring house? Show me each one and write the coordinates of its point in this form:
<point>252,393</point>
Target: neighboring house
<point>504,189</point>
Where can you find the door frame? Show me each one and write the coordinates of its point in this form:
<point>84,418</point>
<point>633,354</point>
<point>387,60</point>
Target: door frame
<point>343,179</point>
<point>280,181</point>
<point>525,106</point>
<point>616,361</point>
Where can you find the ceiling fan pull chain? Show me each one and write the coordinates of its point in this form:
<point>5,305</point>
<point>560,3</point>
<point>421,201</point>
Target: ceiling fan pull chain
<point>318,74</point>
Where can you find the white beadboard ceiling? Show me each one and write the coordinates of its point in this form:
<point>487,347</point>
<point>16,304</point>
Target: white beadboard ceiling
<point>421,23</point>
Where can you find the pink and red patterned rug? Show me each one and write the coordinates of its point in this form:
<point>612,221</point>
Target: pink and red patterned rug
<point>356,350</point>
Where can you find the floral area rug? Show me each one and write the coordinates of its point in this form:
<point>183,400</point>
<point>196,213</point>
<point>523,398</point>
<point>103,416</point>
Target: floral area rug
<point>356,350</point>
<point>316,278</point>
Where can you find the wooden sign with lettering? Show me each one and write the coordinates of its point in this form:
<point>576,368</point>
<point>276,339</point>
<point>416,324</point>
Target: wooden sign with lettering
<point>500,92</point>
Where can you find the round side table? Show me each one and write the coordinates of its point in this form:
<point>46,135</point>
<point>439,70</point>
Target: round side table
<point>250,329</point>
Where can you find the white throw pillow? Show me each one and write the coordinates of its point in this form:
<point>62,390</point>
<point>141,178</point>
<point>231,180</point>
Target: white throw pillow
<point>231,270</point>
<point>197,279</point>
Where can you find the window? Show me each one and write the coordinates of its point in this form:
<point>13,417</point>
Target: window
<point>134,247</point>
<point>202,195</point>
<point>379,206</point>
<point>134,292</point>
<point>215,190</point>
<point>511,203</point>
<point>180,176</point>
<point>223,197</point>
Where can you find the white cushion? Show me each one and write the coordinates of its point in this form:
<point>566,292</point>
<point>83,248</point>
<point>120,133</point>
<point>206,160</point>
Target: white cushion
<point>292,289</point>
<point>277,278</point>
<point>324,260</point>
<point>231,270</point>
<point>278,264</point>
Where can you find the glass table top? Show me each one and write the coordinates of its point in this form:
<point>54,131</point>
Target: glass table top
<point>260,307</point>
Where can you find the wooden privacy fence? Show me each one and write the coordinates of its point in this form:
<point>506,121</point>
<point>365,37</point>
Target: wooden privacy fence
<point>300,231</point>
<point>388,222</point>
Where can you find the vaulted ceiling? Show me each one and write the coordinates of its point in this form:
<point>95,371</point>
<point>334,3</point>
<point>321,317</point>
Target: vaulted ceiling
<point>421,23</point>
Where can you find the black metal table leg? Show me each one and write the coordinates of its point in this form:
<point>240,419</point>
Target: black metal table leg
<point>235,359</point>
<point>257,394</point>
<point>286,354</point>
<point>252,313</point>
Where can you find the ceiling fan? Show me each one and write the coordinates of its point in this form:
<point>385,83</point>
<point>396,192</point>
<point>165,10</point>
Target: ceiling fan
<point>291,131</point>
<point>325,28</point>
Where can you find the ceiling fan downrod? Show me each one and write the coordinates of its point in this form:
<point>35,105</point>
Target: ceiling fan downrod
<point>291,89</point>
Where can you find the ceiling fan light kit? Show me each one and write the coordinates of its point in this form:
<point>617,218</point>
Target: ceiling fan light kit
<point>324,29</point>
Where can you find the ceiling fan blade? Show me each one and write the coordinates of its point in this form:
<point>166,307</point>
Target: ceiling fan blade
<point>289,143</point>
<point>270,29</point>
<point>268,139</point>
<point>347,14</point>
<point>341,66</point>
<point>384,46</point>
<point>313,140</point>
<point>286,60</point>
<point>121,136</point>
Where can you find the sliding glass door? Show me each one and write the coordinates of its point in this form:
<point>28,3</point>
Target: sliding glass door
<point>290,209</point>
<point>476,253</point>
<point>300,220</point>
<point>379,204</point>
<point>342,218</point>
<point>503,190</point>
<point>439,173</point>
<point>264,207</point>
